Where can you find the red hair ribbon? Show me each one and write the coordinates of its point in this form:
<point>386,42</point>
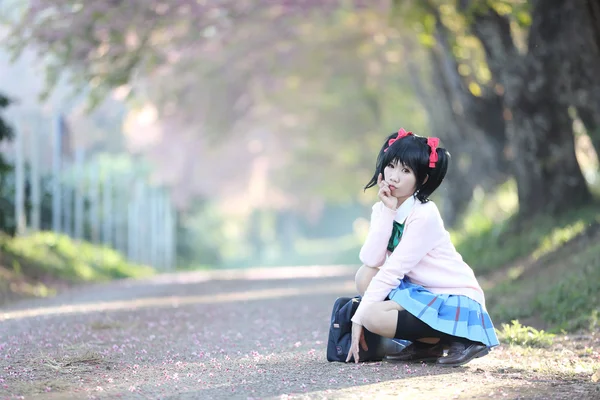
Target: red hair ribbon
<point>433,142</point>
<point>401,133</point>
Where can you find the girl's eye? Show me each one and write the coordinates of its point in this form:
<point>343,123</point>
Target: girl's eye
<point>390,165</point>
<point>406,171</point>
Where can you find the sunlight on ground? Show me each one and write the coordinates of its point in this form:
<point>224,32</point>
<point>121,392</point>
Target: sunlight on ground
<point>507,371</point>
<point>176,301</point>
<point>558,237</point>
<point>412,388</point>
<point>314,271</point>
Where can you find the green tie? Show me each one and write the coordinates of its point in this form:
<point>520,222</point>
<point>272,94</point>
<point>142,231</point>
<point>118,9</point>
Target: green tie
<point>396,235</point>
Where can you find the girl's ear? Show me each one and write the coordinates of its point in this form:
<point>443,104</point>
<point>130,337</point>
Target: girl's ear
<point>425,180</point>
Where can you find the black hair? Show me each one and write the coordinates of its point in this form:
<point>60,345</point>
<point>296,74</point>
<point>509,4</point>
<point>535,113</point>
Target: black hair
<point>413,152</point>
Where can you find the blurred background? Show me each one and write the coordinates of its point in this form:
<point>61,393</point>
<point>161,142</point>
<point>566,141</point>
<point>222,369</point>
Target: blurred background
<point>147,135</point>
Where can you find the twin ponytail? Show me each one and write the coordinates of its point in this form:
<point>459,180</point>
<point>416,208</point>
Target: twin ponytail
<point>435,176</point>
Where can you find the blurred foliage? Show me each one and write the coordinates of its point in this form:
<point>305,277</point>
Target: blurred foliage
<point>321,75</point>
<point>6,134</point>
<point>517,334</point>
<point>7,201</point>
<point>48,255</point>
<point>201,237</point>
<point>207,238</point>
<point>491,234</point>
<point>326,81</point>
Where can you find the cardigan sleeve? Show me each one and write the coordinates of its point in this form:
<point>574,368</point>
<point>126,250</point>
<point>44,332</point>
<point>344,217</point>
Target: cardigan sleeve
<point>420,236</point>
<point>374,250</point>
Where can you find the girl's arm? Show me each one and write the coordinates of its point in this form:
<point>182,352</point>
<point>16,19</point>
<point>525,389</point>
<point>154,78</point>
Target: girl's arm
<point>374,250</point>
<point>419,237</point>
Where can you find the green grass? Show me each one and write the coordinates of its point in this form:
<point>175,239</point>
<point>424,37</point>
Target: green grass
<point>517,334</point>
<point>547,271</point>
<point>560,291</point>
<point>573,301</point>
<point>46,254</point>
<point>487,238</point>
<point>497,246</point>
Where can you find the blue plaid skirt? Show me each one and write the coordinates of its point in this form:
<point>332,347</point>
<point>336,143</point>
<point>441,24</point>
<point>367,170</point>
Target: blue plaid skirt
<point>455,315</point>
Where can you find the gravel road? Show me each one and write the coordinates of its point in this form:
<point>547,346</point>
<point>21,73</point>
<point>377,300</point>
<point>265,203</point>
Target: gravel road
<point>253,334</point>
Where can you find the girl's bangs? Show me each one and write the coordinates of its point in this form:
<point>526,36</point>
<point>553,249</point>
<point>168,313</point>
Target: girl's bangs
<point>406,152</point>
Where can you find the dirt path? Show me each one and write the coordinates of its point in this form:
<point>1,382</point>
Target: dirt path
<point>245,335</point>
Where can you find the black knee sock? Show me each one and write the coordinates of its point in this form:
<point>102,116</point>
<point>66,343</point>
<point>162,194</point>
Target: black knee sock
<point>412,328</point>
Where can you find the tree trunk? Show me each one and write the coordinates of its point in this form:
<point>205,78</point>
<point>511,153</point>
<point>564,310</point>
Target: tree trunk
<point>578,54</point>
<point>471,127</point>
<point>540,132</point>
<point>480,118</point>
<point>443,123</point>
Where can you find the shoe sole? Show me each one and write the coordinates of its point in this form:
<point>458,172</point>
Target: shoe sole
<point>483,352</point>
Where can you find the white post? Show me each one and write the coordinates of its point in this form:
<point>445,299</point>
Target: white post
<point>19,183</point>
<point>133,223</point>
<point>93,196</point>
<point>173,239</point>
<point>131,231</point>
<point>165,224</point>
<point>34,178</point>
<point>107,211</point>
<point>154,242</point>
<point>56,173</point>
<point>67,223</point>
<point>170,235</point>
<point>160,229</point>
<point>142,225</point>
<point>79,193</point>
<point>122,195</point>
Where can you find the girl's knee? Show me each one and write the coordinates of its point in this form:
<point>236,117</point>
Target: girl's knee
<point>363,278</point>
<point>381,318</point>
<point>369,318</point>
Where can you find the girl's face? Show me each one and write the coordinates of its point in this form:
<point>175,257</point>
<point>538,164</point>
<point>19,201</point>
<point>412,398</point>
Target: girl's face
<point>401,179</point>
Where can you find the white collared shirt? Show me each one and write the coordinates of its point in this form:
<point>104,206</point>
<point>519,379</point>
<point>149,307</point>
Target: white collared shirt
<point>404,209</point>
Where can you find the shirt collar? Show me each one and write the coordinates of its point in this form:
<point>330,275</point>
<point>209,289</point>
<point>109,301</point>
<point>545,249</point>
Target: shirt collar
<point>404,209</point>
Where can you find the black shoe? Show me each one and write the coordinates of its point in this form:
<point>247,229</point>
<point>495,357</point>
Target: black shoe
<point>461,353</point>
<point>417,353</point>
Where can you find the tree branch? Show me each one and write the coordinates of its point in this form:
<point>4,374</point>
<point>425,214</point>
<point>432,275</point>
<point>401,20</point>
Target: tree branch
<point>493,31</point>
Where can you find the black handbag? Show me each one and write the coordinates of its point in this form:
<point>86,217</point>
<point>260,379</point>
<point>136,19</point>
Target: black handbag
<point>340,334</point>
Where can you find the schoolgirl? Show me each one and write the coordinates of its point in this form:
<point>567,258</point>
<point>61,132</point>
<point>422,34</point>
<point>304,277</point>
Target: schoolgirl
<point>414,284</point>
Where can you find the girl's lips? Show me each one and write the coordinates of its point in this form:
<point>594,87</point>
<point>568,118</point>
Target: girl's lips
<point>392,187</point>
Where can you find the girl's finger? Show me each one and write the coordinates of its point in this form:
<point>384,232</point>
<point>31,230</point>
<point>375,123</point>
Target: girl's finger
<point>363,343</point>
<point>350,355</point>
